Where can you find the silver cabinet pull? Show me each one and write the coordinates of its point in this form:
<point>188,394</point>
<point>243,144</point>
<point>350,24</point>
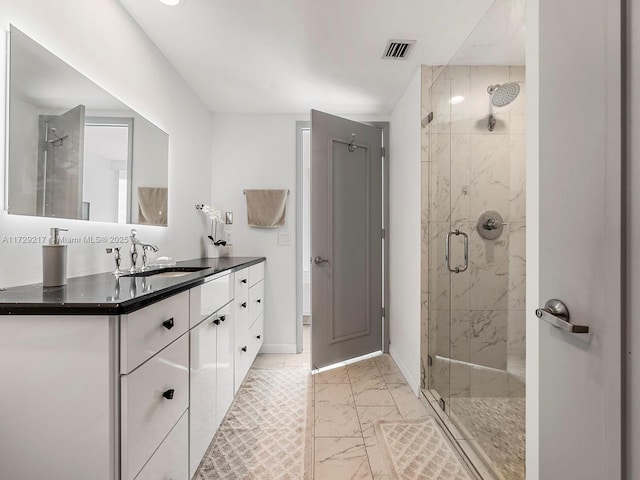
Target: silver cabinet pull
<point>447,251</point>
<point>556,313</point>
<point>318,260</point>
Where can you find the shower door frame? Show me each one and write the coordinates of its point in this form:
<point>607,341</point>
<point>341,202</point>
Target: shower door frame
<point>458,363</point>
<point>438,385</point>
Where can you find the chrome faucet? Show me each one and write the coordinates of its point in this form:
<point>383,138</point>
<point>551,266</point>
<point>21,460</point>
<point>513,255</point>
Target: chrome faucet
<point>133,250</point>
<point>116,251</point>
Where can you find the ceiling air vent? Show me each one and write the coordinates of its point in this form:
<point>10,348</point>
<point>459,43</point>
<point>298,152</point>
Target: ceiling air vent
<point>398,49</point>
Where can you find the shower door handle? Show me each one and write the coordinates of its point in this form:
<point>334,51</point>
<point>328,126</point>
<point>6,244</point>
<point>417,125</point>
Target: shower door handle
<point>447,251</point>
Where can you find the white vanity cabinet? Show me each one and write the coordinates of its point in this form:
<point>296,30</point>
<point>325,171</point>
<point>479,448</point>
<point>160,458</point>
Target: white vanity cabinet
<point>248,306</point>
<point>145,332</point>
<point>154,397</point>
<point>154,384</point>
<point>223,347</point>
<point>135,396</point>
<point>211,385</point>
<point>57,420</point>
<point>224,353</point>
<point>170,460</point>
<point>209,297</point>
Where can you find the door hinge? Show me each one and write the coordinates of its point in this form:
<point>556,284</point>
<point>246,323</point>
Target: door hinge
<point>383,233</point>
<point>383,312</point>
<point>428,119</point>
<point>429,360</point>
<point>383,151</point>
<point>441,402</point>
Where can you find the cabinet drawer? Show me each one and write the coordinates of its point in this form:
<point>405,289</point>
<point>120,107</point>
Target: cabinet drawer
<point>256,273</point>
<point>145,332</point>
<point>202,386</point>
<point>209,297</point>
<point>241,312</point>
<point>243,360</point>
<point>170,460</point>
<point>241,282</point>
<point>256,335</point>
<point>248,346</point>
<point>256,301</point>
<point>224,370</point>
<point>147,411</point>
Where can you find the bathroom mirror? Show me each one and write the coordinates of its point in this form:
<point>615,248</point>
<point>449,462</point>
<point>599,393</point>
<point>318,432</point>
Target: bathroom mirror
<point>74,150</point>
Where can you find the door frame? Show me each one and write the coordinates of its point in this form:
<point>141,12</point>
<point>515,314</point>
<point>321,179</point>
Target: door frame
<point>532,251</point>
<point>384,127</point>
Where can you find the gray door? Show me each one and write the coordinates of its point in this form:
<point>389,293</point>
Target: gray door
<point>61,164</point>
<point>346,239</point>
<point>579,239</point>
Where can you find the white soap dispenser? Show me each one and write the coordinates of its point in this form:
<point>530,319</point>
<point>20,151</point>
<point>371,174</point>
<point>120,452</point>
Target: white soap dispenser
<point>54,261</point>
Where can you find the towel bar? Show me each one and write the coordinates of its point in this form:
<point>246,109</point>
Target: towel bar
<point>244,192</point>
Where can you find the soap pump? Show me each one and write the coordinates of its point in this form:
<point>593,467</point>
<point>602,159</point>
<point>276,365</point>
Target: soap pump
<point>54,260</point>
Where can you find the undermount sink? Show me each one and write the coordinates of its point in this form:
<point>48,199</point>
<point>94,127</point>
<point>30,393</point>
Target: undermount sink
<point>169,272</point>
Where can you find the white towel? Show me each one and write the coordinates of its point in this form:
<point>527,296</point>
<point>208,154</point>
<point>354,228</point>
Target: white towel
<point>152,206</point>
<point>266,208</point>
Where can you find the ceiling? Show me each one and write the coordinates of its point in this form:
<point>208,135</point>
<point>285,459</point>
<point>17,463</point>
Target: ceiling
<point>288,56</point>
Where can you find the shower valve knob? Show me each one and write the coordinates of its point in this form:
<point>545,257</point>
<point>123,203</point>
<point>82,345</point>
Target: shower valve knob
<point>490,224</point>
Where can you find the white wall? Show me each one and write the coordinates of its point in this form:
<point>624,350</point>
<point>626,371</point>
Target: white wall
<point>259,151</point>
<point>404,233</point>
<point>102,41</point>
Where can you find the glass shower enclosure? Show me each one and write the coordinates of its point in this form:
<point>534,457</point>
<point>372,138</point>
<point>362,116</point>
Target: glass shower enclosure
<point>473,226</point>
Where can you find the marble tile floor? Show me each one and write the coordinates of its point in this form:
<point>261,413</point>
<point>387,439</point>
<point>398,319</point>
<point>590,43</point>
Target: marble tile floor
<point>347,400</point>
<point>497,425</point>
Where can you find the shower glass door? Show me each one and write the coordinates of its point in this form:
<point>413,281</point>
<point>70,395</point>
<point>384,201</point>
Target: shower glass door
<point>437,206</point>
<point>487,329</point>
<point>474,225</point>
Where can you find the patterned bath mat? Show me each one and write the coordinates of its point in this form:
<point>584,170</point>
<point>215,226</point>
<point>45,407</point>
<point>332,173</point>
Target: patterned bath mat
<point>266,434</point>
<point>419,450</point>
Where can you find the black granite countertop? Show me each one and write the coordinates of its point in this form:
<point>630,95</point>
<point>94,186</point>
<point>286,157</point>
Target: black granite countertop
<point>104,294</point>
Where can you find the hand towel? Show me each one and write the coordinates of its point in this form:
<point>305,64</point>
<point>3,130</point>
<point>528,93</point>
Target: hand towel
<point>152,206</point>
<point>266,208</point>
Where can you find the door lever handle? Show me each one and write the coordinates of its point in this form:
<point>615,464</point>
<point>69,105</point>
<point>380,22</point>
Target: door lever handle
<point>318,260</point>
<point>556,313</point>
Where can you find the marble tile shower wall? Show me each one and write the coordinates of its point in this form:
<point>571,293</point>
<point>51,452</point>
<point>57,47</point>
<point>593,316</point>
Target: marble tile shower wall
<point>476,318</point>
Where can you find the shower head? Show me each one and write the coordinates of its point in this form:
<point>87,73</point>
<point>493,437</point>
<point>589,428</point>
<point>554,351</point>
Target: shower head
<point>503,95</point>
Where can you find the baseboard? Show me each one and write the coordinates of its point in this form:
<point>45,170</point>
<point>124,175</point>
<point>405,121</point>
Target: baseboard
<point>414,383</point>
<point>278,348</point>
